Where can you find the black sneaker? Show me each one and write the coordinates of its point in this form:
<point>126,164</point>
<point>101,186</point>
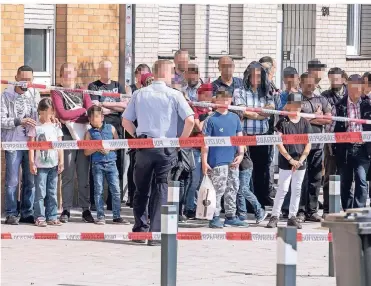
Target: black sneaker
<point>65,216</point>
<point>314,217</point>
<point>12,220</point>
<point>120,220</point>
<point>30,219</point>
<point>191,215</point>
<point>301,217</point>
<point>87,217</point>
<point>182,218</point>
<point>292,221</point>
<point>273,221</point>
<point>154,243</point>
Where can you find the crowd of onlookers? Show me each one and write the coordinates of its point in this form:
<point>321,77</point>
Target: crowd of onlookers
<point>243,177</point>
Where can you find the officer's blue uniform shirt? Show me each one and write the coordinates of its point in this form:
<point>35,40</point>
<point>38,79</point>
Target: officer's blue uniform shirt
<point>157,109</point>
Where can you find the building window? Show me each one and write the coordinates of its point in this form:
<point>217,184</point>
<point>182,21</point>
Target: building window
<point>35,45</point>
<point>226,29</point>
<point>168,29</point>
<point>187,28</point>
<point>353,29</point>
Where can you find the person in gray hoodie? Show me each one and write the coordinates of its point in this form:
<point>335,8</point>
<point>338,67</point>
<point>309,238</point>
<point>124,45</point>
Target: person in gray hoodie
<point>18,114</point>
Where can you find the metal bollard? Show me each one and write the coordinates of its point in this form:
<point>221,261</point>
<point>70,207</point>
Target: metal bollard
<point>173,191</point>
<point>334,207</point>
<point>169,245</point>
<point>286,256</point>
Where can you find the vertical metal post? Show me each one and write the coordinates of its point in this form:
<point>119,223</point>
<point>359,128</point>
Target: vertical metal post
<point>334,207</point>
<point>286,256</point>
<point>169,245</point>
<point>173,191</point>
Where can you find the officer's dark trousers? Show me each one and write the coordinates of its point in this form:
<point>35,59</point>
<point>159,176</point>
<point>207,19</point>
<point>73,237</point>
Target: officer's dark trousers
<point>149,162</point>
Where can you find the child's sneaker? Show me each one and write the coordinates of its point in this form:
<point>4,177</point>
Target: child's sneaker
<point>215,223</point>
<point>262,215</point>
<point>120,220</point>
<point>235,222</point>
<point>100,221</point>
<point>272,222</point>
<point>40,221</point>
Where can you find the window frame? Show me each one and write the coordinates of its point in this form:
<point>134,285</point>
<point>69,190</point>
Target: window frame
<point>354,50</point>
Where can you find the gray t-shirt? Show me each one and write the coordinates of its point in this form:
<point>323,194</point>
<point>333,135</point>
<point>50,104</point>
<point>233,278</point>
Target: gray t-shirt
<point>157,109</point>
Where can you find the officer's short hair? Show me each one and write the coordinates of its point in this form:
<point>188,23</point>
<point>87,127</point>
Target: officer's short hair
<point>160,64</point>
<point>223,93</point>
<point>24,69</point>
<point>93,109</point>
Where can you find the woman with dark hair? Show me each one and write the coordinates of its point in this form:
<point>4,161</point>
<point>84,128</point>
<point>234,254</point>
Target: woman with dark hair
<point>71,107</point>
<point>255,94</point>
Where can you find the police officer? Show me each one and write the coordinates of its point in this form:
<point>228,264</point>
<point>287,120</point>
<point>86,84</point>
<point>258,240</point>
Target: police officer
<point>157,109</point>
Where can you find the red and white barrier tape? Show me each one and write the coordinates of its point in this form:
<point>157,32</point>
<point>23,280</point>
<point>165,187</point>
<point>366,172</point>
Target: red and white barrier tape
<point>346,137</point>
<point>246,236</point>
<point>199,104</point>
<point>52,87</point>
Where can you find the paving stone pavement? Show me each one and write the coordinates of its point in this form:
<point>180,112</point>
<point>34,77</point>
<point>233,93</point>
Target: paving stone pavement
<point>119,263</point>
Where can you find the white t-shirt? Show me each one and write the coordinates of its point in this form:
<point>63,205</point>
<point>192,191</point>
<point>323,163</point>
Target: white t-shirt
<point>46,132</point>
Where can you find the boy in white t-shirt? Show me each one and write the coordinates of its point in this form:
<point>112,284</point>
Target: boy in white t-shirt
<point>46,165</point>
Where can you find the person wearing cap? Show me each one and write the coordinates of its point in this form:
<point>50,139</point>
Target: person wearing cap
<point>352,159</point>
<point>336,92</point>
<point>226,80</point>
<point>204,94</point>
<point>291,81</point>
<point>146,79</point>
<point>292,162</point>
<point>319,105</point>
<point>112,109</point>
<point>192,78</point>
<point>316,69</point>
<point>157,109</point>
<point>253,94</point>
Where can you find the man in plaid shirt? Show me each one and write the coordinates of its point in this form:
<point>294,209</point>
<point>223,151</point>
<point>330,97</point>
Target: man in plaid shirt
<point>352,159</point>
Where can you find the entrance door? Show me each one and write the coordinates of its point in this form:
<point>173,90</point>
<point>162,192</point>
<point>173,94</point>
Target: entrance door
<point>299,31</point>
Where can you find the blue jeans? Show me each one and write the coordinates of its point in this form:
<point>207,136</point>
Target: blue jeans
<point>357,165</point>
<point>196,177</point>
<point>245,193</point>
<point>108,170</point>
<point>46,188</point>
<point>13,161</point>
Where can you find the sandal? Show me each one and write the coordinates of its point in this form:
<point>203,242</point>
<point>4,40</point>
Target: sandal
<point>56,222</point>
<point>40,222</point>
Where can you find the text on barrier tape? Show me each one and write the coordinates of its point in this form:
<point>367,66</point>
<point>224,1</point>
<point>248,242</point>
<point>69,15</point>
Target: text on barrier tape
<point>208,236</point>
<point>345,137</point>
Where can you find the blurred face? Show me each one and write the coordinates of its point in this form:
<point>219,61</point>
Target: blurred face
<point>69,73</point>
<point>105,70</point>
<point>192,78</point>
<point>226,68</point>
<point>255,77</point>
<point>46,114</point>
<point>317,73</point>
<point>293,107</point>
<point>181,61</point>
<point>336,81</point>
<point>291,82</point>
<point>205,96</point>
<point>355,89</point>
<point>308,85</point>
<point>223,100</point>
<point>26,76</point>
<point>138,73</point>
<point>96,119</point>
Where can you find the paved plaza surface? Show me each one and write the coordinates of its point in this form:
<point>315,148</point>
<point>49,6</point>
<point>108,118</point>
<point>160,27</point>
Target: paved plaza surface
<point>122,263</point>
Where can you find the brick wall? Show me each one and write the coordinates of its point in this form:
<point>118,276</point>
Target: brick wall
<point>331,36</point>
<point>87,34</point>
<point>12,56</point>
